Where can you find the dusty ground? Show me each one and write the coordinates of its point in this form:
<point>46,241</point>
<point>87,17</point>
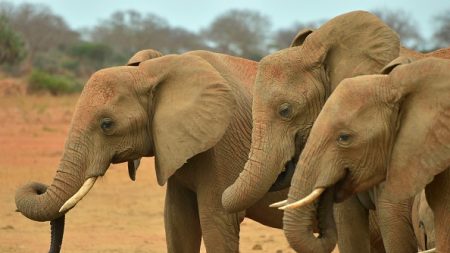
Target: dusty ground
<point>118,215</point>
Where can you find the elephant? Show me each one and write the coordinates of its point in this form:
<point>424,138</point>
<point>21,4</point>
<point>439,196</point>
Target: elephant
<point>423,222</point>
<point>389,131</point>
<point>290,89</point>
<point>192,112</point>
<point>304,75</point>
<point>57,225</point>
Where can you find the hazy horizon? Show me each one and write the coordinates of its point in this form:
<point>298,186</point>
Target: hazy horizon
<point>195,15</point>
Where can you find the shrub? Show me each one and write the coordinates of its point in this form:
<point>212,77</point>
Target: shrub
<point>55,84</point>
<point>12,47</point>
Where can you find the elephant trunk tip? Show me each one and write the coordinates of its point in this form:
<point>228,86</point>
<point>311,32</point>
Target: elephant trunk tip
<point>229,201</point>
<point>301,223</point>
<point>26,199</point>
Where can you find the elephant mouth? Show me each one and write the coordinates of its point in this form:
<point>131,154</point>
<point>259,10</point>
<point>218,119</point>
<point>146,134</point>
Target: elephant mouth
<point>341,189</point>
<point>344,187</point>
<point>283,180</point>
<point>324,209</point>
<point>133,162</point>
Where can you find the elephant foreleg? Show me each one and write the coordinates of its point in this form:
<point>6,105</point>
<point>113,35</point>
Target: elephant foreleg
<point>438,197</point>
<point>396,226</point>
<point>376,240</point>
<point>181,220</point>
<point>352,223</point>
<point>220,228</point>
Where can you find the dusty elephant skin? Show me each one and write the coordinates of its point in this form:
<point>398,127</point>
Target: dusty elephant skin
<point>423,222</point>
<point>56,225</point>
<point>193,113</point>
<point>291,87</point>
<point>391,127</point>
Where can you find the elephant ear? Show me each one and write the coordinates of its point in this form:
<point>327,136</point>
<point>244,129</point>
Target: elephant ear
<point>421,148</point>
<point>135,60</point>
<point>396,62</point>
<point>143,55</point>
<point>352,44</point>
<point>193,107</point>
<point>301,37</point>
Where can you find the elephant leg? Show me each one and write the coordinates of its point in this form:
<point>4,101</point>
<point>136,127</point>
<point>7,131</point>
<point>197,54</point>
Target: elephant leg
<point>181,220</point>
<point>438,197</point>
<point>396,226</point>
<point>423,222</point>
<point>376,240</point>
<point>220,228</point>
<point>352,224</point>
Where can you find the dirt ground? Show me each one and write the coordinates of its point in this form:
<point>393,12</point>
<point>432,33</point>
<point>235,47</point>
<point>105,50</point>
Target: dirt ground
<point>118,215</point>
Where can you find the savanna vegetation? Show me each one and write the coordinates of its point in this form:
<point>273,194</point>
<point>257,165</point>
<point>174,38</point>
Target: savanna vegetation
<point>38,47</point>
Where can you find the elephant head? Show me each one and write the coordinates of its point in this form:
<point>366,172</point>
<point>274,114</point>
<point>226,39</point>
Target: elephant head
<point>369,124</point>
<point>171,107</point>
<point>290,89</point>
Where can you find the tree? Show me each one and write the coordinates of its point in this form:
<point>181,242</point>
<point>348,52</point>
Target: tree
<point>41,29</point>
<point>90,57</point>
<point>12,47</point>
<point>442,34</point>
<point>181,40</point>
<point>402,23</point>
<point>239,32</point>
<point>130,31</point>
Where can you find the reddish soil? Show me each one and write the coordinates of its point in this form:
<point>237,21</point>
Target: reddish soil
<point>118,215</point>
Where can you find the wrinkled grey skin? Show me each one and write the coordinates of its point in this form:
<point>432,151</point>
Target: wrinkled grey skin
<point>423,222</point>
<point>192,112</point>
<point>291,87</point>
<point>388,131</point>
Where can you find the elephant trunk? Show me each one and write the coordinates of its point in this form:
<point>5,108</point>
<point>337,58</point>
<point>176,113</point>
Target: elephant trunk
<point>299,224</point>
<point>39,203</point>
<point>259,173</point>
<point>57,233</point>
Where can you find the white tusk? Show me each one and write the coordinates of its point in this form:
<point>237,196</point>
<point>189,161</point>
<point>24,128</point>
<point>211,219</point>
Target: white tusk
<point>306,200</point>
<point>279,204</point>
<point>87,185</point>
<point>428,251</point>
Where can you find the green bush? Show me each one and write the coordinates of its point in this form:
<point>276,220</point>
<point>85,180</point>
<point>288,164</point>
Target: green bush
<point>55,84</point>
<point>93,56</point>
<point>12,47</point>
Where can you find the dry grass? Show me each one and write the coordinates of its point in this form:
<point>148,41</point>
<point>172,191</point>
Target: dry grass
<point>118,215</point>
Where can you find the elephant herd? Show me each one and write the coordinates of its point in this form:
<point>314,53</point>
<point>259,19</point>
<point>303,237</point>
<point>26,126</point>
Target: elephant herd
<point>345,134</point>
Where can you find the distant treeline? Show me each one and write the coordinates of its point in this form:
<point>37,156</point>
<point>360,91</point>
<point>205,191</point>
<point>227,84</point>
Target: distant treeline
<point>36,42</point>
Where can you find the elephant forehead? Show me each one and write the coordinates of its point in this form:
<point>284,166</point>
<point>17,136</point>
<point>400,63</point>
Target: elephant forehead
<point>89,105</point>
<point>354,93</point>
<point>102,88</point>
<point>97,93</point>
<point>105,84</point>
<point>283,64</point>
<point>342,107</point>
<point>271,72</point>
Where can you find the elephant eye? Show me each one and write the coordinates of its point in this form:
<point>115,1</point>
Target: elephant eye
<point>344,138</point>
<point>285,111</point>
<point>106,124</point>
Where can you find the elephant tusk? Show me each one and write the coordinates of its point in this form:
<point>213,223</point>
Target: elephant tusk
<point>428,251</point>
<point>279,204</point>
<point>306,200</point>
<point>87,185</point>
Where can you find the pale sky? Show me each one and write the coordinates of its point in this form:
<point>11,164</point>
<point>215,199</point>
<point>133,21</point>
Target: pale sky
<point>196,14</point>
